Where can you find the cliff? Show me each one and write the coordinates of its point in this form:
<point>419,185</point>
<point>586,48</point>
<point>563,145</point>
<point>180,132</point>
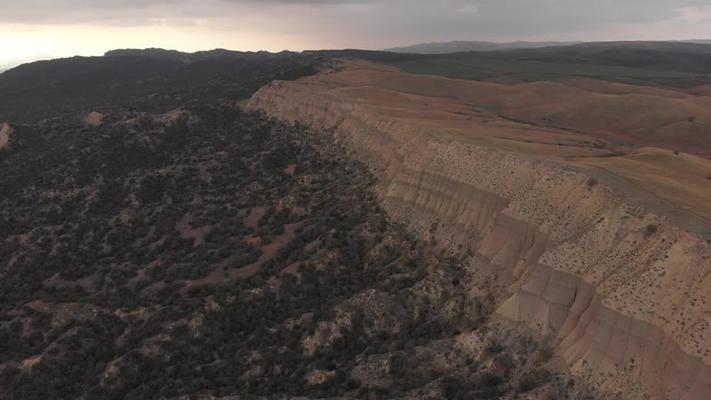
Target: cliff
<point>607,253</point>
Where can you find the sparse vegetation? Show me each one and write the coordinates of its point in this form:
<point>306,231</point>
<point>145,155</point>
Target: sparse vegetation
<point>176,258</point>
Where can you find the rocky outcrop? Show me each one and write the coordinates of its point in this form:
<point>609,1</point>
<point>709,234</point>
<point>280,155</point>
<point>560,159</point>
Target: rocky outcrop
<point>94,119</point>
<point>623,286</point>
<point>5,133</point>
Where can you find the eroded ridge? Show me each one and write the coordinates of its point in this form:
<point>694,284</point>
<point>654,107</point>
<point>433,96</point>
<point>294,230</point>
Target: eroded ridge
<point>585,244</point>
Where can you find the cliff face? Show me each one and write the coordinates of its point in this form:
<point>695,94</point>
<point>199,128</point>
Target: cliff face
<point>581,252</point>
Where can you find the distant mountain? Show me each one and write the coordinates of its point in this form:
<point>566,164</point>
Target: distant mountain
<point>465,46</point>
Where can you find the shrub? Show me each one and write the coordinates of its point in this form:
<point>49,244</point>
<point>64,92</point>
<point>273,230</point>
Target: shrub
<point>489,379</point>
<point>532,380</point>
<point>495,347</point>
<point>651,229</point>
<point>526,384</point>
<point>545,354</point>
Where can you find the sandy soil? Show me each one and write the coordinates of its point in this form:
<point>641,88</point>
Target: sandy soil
<point>255,214</point>
<point>187,231</point>
<point>223,273</point>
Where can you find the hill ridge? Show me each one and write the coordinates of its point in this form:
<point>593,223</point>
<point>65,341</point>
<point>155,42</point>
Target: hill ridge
<point>579,260</point>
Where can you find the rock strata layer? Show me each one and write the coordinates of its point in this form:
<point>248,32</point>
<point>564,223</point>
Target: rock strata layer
<point>616,273</point>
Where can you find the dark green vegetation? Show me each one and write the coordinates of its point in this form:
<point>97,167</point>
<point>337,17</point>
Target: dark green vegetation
<point>210,251</point>
<point>464,46</point>
<point>642,63</point>
<point>149,81</point>
<point>222,253</point>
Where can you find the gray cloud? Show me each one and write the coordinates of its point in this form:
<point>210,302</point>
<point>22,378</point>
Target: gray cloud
<point>399,20</point>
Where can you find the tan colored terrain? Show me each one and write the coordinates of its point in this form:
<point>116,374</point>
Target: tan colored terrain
<point>607,252</point>
<point>5,133</point>
<point>94,119</point>
<point>617,112</point>
<point>704,90</point>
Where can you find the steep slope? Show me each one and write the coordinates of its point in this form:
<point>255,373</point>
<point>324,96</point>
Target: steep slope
<point>608,260</point>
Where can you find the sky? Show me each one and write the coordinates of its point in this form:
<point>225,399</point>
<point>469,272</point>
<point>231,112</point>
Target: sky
<point>39,29</point>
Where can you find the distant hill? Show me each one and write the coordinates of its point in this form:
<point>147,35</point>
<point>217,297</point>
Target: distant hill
<point>465,46</point>
<point>662,63</point>
<point>153,79</point>
<point>187,58</point>
<point>690,57</point>
<point>468,46</point>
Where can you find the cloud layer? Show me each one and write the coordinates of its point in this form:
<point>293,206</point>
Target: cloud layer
<point>302,24</point>
<point>475,17</point>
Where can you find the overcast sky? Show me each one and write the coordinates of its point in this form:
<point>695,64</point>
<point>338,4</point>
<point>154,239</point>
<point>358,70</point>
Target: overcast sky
<point>32,29</point>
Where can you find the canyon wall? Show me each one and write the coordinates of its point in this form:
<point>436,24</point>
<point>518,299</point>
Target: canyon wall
<point>622,287</point>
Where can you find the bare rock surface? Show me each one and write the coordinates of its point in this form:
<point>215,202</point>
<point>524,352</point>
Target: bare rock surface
<point>607,252</point>
<point>94,119</point>
<point>5,133</point>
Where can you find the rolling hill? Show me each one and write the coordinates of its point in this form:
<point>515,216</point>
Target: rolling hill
<point>467,46</point>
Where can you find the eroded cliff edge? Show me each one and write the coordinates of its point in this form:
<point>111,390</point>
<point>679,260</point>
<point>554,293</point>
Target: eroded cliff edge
<point>583,247</point>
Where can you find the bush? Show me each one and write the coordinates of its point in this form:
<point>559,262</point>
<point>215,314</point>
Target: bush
<point>545,354</point>
<point>532,380</point>
<point>495,347</point>
<point>651,229</point>
<point>526,384</point>
<point>491,380</point>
